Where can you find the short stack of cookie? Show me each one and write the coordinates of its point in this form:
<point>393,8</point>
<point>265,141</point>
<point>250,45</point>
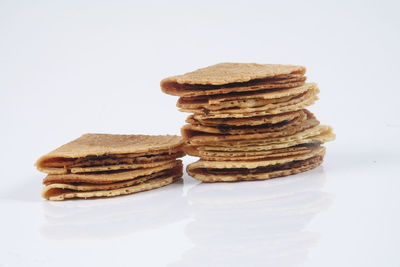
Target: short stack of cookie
<point>249,121</point>
<point>106,165</point>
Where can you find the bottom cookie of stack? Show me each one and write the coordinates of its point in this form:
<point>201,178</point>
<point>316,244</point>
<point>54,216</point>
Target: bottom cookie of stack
<point>247,170</point>
<point>106,184</point>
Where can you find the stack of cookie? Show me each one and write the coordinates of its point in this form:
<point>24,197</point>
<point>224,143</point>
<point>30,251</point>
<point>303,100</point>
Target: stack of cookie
<point>249,121</point>
<point>105,165</point>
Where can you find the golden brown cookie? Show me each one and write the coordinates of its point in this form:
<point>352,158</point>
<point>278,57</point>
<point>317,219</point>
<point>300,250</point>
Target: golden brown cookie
<point>248,100</point>
<point>225,78</point>
<point>196,137</point>
<point>257,108</point>
<point>320,133</point>
<point>108,177</point>
<point>250,121</point>
<point>97,147</point>
<point>63,191</point>
<point>232,171</point>
<point>245,130</point>
<point>249,155</point>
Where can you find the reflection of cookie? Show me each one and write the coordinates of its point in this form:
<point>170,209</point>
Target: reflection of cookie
<point>231,171</point>
<point>249,114</point>
<point>103,165</point>
<point>97,219</point>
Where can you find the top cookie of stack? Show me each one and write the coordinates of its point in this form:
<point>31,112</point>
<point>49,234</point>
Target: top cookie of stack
<point>249,121</point>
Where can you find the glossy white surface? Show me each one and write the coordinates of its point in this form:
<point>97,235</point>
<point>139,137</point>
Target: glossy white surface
<point>76,67</point>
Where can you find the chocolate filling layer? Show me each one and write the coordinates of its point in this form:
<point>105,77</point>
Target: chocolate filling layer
<point>225,128</point>
<point>230,85</point>
<point>272,168</point>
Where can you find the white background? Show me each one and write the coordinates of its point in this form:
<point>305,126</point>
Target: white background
<point>72,67</point>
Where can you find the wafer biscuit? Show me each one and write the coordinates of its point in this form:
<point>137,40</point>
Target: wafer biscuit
<point>125,159</point>
<point>233,77</point>
<point>251,164</point>
<point>240,107</point>
<point>95,147</point>
<point>225,73</point>
<point>263,94</point>
<point>234,176</point>
<point>247,155</point>
<point>243,130</point>
<point>246,101</point>
<point>252,121</point>
<point>107,177</point>
<point>95,187</point>
<point>202,137</point>
<point>255,112</point>
<point>119,167</point>
<point>320,133</point>
<point>64,193</point>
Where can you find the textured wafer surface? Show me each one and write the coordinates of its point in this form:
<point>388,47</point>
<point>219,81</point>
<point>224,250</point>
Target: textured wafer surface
<point>247,155</point>
<point>264,94</point>
<point>235,176</point>
<point>256,112</point>
<point>123,159</point>
<point>93,187</point>
<point>246,100</point>
<point>244,130</point>
<point>320,133</point>
<point>119,167</point>
<point>194,91</point>
<point>58,194</point>
<point>202,137</point>
<point>251,121</point>
<point>243,107</point>
<point>251,164</point>
<point>107,177</point>
<point>225,73</point>
<point>103,144</point>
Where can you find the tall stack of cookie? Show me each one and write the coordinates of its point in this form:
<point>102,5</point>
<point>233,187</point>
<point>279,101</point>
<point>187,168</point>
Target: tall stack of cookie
<point>106,165</point>
<point>249,121</point>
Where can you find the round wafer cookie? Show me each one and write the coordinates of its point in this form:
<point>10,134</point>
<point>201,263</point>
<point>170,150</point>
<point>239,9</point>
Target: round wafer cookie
<point>251,164</point>
<point>196,137</point>
<point>238,108</point>
<point>233,176</point>
<point>317,133</point>
<point>252,121</point>
<point>263,94</point>
<point>109,144</point>
<point>247,155</point>
<point>243,130</point>
<point>256,112</point>
<point>57,194</point>
<point>243,101</point>
<point>107,177</point>
<point>96,187</point>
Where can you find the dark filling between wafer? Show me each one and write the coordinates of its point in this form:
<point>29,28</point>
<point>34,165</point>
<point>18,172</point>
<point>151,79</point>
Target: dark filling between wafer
<point>266,169</point>
<point>237,84</point>
<point>110,159</point>
<point>225,128</point>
